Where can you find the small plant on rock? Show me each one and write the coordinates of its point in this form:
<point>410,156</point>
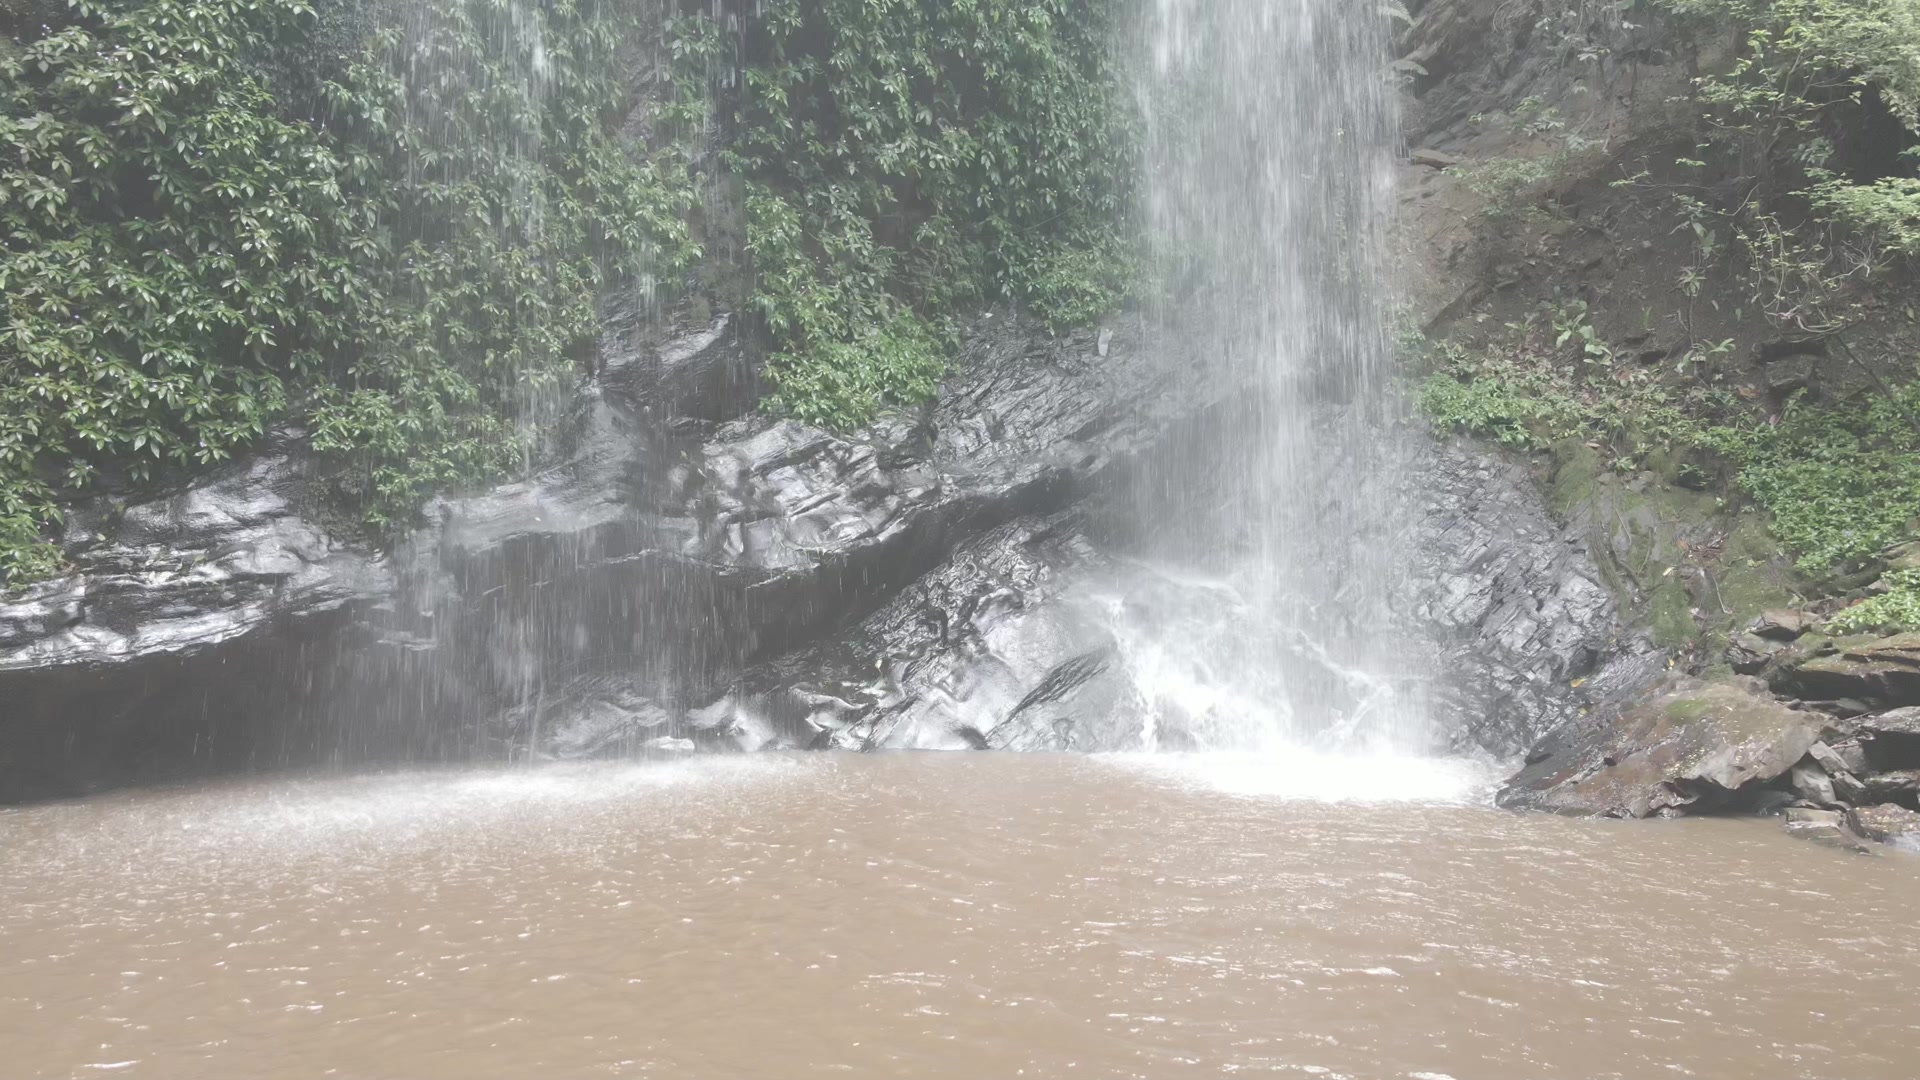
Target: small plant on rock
<point>1895,610</point>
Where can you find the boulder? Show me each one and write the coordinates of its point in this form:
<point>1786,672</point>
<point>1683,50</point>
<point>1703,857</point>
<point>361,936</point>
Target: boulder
<point>1903,556</point>
<point>1890,740</point>
<point>1830,828</point>
<point>1896,724</point>
<point>1780,624</point>
<point>1684,744</point>
<point>1749,653</point>
<point>1846,787</point>
<point>1788,375</point>
<point>1851,755</point>
<point>1812,783</point>
<point>1886,823</point>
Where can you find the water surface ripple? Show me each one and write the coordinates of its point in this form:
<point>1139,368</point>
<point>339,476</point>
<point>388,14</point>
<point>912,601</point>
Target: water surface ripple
<point>963,916</point>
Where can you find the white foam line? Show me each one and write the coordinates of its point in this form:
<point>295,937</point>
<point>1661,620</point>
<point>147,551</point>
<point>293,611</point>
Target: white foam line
<point>1319,776</point>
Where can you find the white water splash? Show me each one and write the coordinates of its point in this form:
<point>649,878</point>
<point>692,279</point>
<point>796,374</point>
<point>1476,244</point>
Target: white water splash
<point>1306,774</point>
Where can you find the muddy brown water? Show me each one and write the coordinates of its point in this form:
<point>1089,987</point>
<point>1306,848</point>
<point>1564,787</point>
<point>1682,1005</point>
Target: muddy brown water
<point>967,916</point>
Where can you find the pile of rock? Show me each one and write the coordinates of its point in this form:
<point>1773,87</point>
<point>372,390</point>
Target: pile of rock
<point>1823,731</point>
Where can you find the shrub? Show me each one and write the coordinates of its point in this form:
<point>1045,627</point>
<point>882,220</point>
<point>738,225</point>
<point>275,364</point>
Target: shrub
<point>905,157</point>
<point>1841,482</point>
<point>218,213</point>
<point>1895,610</point>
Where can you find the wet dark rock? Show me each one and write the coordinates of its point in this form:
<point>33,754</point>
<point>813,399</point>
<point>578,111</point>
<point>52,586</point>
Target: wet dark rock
<point>1433,159</point>
<point>685,576</point>
<point>1751,654</point>
<point>1898,786</point>
<point>1529,637</point>
<point>1786,376</point>
<point>188,571</point>
<point>1812,783</point>
<point>1022,640</point>
<point>706,374</point>
<point>1683,745</point>
<point>1879,671</point>
<point>1781,625</point>
<point>222,628</point>
<point>805,530</point>
<point>940,664</point>
<point>1014,644</point>
<point>1830,828</point>
<point>150,657</point>
<point>1886,823</point>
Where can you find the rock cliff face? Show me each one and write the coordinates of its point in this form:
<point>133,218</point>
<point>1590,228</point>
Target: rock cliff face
<point>221,626</point>
<point>1760,712</point>
<point>1036,636</point>
<point>691,576</point>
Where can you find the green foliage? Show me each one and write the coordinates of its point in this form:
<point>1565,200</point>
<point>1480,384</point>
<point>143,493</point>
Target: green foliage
<point>1492,401</point>
<point>1771,107</point>
<point>1800,56</point>
<point>165,237</point>
<point>1841,482</point>
<point>905,157</point>
<point>1883,215</point>
<point>1504,182</point>
<point>209,222</point>
<point>24,555</point>
<point>1893,611</point>
<point>1552,377</point>
<point>498,208</point>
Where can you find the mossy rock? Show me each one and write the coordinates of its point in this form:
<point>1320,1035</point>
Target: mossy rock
<point>1693,571</point>
<point>1685,745</point>
<point>1670,616</point>
<point>1880,671</point>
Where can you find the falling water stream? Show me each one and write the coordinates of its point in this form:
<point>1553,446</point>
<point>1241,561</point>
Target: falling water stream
<point>1318,896</point>
<point>1270,130</point>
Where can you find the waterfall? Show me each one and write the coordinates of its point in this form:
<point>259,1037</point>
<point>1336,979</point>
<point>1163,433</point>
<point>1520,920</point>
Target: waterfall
<point>1270,132</point>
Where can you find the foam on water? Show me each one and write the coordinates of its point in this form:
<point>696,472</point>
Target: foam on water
<point>390,810</point>
<point>1307,774</point>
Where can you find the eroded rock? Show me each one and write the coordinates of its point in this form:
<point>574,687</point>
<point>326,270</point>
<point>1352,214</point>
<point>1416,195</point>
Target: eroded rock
<point>1879,671</point>
<point>1528,637</point>
<point>1780,624</point>
<point>1750,653</point>
<point>220,627</point>
<point>1831,828</point>
<point>1685,745</point>
<point>1887,824</point>
<point>1846,787</point>
<point>1898,786</point>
